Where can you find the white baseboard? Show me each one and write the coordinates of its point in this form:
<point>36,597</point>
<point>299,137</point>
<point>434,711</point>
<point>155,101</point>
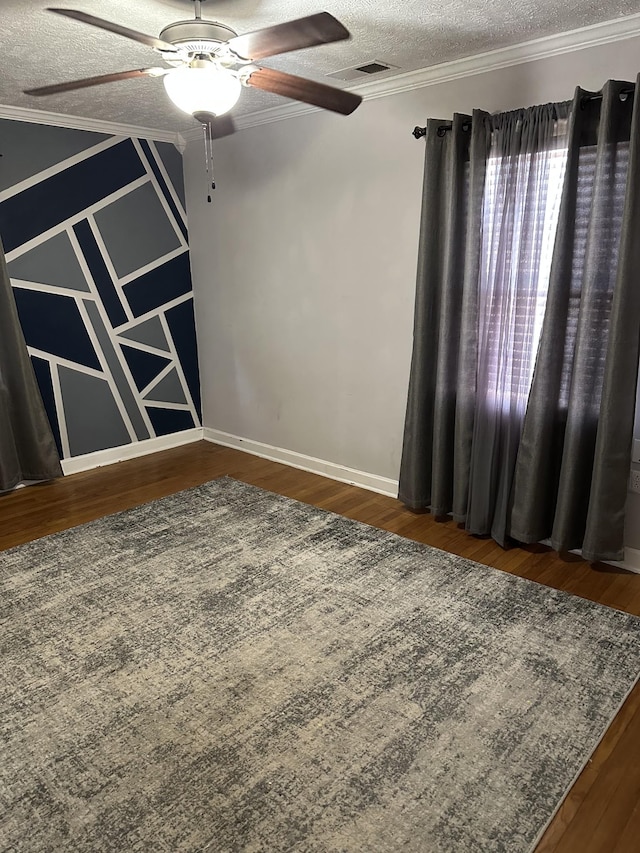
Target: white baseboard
<point>631,561</point>
<point>373,482</point>
<point>382,485</point>
<point>129,451</point>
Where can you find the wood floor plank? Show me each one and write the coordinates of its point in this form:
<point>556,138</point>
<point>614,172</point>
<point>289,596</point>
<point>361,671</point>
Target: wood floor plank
<point>603,811</point>
<point>600,813</point>
<point>628,841</point>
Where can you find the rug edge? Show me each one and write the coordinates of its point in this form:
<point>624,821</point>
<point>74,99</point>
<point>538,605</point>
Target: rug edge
<point>567,790</point>
<point>118,512</point>
<point>420,544</point>
<point>387,533</point>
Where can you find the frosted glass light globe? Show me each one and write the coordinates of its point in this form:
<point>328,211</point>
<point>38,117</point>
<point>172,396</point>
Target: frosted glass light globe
<point>207,89</point>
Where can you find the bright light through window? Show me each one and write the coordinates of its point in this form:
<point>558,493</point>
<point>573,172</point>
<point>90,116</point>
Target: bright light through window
<point>519,223</point>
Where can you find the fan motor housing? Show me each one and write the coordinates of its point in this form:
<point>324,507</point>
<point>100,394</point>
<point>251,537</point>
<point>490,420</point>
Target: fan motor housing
<point>194,35</point>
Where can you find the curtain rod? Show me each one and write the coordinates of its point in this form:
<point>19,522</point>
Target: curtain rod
<point>418,132</point>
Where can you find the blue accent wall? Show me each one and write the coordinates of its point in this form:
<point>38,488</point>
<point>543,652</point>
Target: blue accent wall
<point>58,198</point>
<point>52,324</point>
<point>159,286</point>
<point>43,375</point>
<point>100,274</point>
<point>87,324</point>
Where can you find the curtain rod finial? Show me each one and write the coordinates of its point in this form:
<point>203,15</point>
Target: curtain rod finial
<point>419,132</point>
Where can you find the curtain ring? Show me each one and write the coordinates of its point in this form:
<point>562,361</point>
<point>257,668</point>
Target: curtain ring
<point>443,128</point>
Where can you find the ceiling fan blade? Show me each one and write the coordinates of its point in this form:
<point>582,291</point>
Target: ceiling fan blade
<point>143,38</point>
<point>308,91</point>
<point>322,28</point>
<point>85,82</point>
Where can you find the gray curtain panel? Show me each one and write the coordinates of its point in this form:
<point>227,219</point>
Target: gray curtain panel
<point>573,464</point>
<point>519,215</point>
<point>527,325</point>
<point>444,283</point>
<point>27,447</point>
<point>485,219</point>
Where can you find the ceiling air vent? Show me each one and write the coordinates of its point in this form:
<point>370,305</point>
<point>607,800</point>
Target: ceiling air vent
<point>373,68</point>
<point>358,72</point>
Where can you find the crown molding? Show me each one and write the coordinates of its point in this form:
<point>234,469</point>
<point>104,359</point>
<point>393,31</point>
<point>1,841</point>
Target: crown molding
<point>529,51</point>
<point>94,125</point>
<point>505,57</point>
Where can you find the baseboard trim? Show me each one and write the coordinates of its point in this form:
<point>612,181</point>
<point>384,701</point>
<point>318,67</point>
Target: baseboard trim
<point>631,561</point>
<point>130,451</point>
<point>341,473</point>
<point>373,482</point>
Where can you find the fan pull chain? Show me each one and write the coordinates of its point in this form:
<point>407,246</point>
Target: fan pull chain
<point>208,158</point>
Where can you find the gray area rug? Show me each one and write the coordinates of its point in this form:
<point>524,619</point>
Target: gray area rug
<point>229,670</point>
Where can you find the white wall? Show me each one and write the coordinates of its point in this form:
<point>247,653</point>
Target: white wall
<point>304,264</point>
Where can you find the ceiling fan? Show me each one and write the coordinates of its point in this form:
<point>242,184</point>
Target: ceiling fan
<point>209,64</point>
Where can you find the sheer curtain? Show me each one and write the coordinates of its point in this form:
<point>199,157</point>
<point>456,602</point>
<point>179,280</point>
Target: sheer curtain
<point>527,326</point>
<point>27,449</point>
<point>527,155</point>
<point>490,209</point>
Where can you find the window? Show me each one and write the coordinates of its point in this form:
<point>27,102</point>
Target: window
<point>519,221</point>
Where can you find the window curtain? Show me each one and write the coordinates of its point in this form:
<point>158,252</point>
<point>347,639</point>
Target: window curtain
<point>573,464</point>
<point>507,426</point>
<point>485,201</point>
<point>439,419</point>
<point>27,448</point>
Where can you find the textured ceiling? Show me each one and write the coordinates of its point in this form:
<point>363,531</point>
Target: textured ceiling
<point>40,48</point>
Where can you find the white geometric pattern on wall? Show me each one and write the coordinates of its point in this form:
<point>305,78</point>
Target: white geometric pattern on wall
<point>95,237</point>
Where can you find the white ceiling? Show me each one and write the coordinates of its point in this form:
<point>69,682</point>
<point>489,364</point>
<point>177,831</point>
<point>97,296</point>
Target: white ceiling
<point>40,48</point>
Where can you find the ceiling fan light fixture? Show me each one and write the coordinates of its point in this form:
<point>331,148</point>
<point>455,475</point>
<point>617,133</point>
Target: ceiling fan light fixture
<point>206,84</point>
<point>203,89</point>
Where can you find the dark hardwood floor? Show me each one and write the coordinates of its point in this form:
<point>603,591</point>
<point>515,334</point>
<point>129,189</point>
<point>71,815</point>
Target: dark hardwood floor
<point>601,814</point>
